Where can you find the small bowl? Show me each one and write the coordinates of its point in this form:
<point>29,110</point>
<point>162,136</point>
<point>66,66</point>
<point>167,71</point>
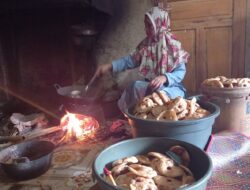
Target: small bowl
<point>200,163</point>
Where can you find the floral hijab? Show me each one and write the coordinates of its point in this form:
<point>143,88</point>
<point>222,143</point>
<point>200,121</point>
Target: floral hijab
<point>163,52</point>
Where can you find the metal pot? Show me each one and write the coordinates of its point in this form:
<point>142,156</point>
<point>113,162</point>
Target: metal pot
<point>84,36</point>
<point>75,100</point>
<point>27,160</point>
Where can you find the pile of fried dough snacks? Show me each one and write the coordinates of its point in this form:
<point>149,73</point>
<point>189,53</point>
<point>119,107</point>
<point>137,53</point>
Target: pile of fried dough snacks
<point>158,106</point>
<point>223,82</point>
<point>153,171</point>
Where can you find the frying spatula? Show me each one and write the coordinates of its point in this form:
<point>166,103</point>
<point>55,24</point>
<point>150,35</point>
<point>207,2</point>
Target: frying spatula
<point>89,84</point>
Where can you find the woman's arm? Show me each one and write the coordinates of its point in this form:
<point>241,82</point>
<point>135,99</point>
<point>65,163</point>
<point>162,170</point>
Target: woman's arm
<point>177,75</point>
<point>123,64</point>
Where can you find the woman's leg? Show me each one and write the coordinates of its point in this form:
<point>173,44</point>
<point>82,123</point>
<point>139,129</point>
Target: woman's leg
<point>132,94</point>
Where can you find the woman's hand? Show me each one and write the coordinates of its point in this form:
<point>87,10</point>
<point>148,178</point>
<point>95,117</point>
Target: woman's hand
<point>102,69</point>
<point>157,82</point>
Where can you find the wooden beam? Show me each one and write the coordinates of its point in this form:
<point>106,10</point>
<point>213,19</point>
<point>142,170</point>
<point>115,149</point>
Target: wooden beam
<point>247,51</point>
<point>201,59</point>
<point>207,23</point>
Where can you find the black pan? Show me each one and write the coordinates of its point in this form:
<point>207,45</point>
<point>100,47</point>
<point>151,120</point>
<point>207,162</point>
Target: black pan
<point>75,94</point>
<point>27,160</point>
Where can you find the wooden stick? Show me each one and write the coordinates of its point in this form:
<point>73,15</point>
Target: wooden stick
<point>108,173</point>
<point>11,138</point>
<point>42,132</point>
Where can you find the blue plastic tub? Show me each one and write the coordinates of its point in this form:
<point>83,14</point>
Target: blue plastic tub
<point>196,132</point>
<point>200,163</point>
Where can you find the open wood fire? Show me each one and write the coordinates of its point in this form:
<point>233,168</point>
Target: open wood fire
<point>78,126</point>
<point>72,128</point>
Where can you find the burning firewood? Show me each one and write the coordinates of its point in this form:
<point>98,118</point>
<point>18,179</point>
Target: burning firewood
<point>78,126</point>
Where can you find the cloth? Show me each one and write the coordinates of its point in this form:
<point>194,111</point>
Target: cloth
<point>161,52</point>
<point>137,90</point>
<point>230,154</point>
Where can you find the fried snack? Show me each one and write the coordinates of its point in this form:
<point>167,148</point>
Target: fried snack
<point>244,82</point>
<point>168,115</point>
<point>163,97</point>
<point>157,110</point>
<point>126,160</point>
<point>166,167</point>
<point>143,160</point>
<point>228,84</point>
<point>142,171</point>
<point>195,116</point>
<point>154,171</point>
<point>223,82</point>
<point>157,99</point>
<point>192,106</point>
<point>124,180</point>
<point>182,153</point>
<point>217,83</point>
<point>182,115</point>
<point>166,183</point>
<point>178,105</point>
<point>222,78</point>
<point>186,170</point>
<point>157,155</point>
<point>174,110</point>
<point>145,105</point>
<point>214,82</point>
<point>119,169</point>
<point>202,111</point>
<point>141,183</point>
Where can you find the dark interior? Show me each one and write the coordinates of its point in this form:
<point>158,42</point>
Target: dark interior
<point>42,44</point>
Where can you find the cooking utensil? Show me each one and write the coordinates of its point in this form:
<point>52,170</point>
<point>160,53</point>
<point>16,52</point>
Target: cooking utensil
<point>174,157</point>
<point>27,160</point>
<point>90,83</point>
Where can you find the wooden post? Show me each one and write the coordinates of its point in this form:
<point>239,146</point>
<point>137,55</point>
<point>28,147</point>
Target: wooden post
<point>247,60</point>
<point>239,37</point>
<point>4,78</point>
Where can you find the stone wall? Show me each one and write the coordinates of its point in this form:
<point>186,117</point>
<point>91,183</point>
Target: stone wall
<point>123,32</point>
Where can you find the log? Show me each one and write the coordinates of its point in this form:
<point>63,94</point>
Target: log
<point>42,132</point>
<point>11,138</point>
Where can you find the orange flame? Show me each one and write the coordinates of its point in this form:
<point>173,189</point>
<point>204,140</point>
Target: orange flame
<point>78,125</point>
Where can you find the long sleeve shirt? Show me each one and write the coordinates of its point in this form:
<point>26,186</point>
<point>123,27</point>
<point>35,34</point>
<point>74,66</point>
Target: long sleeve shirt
<point>174,78</point>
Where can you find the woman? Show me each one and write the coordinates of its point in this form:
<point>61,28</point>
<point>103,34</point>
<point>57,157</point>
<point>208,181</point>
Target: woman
<point>160,58</point>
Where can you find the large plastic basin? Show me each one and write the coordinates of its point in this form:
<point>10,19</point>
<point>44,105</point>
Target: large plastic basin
<point>200,163</point>
<point>196,132</point>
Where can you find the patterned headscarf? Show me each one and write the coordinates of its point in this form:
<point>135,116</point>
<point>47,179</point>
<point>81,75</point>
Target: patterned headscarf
<point>163,52</point>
